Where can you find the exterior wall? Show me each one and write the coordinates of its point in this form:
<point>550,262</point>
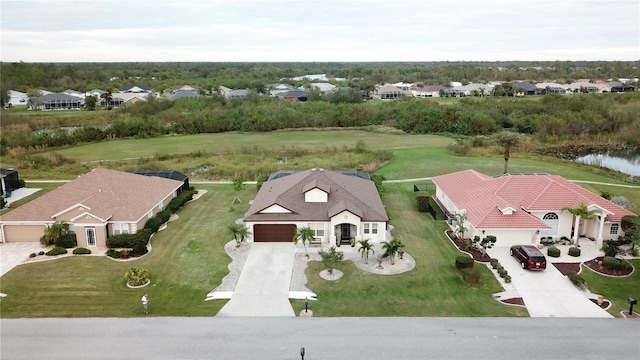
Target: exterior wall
<point>509,237</point>
<point>70,214</point>
<point>379,237</point>
<point>345,217</point>
<point>275,209</point>
<point>445,201</point>
<point>316,195</point>
<point>23,233</point>
<point>101,235</point>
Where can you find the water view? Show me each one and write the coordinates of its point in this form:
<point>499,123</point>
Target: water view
<point>624,163</point>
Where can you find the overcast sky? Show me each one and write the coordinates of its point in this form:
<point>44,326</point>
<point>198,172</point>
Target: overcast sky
<point>318,30</point>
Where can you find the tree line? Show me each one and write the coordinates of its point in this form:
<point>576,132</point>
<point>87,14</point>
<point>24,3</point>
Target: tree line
<point>549,117</point>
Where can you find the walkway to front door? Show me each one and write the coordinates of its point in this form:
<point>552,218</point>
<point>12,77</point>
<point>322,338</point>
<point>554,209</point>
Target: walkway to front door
<point>263,286</point>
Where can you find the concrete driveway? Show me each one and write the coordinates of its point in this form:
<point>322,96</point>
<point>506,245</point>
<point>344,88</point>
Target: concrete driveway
<point>263,286</point>
<point>12,254</point>
<point>547,293</point>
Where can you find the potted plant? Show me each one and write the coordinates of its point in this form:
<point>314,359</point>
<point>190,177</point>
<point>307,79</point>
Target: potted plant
<point>352,241</point>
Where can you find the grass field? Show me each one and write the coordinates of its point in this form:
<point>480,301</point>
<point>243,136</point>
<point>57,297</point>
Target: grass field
<point>617,290</point>
<point>188,260</point>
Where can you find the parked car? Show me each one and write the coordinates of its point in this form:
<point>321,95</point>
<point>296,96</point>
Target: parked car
<point>529,257</point>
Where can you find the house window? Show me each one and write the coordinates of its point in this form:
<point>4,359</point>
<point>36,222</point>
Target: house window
<point>550,219</point>
<point>614,229</point>
<point>370,228</point>
<point>318,229</point>
<point>120,229</point>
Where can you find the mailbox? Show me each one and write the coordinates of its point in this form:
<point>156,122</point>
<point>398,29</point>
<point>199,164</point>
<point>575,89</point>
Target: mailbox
<point>632,301</point>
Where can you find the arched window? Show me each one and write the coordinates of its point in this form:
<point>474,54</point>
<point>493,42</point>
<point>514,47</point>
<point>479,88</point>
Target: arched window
<point>614,229</point>
<point>550,219</point>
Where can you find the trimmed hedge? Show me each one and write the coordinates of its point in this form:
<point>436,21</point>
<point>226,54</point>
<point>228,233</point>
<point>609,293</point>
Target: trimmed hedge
<point>574,251</point>
<point>423,203</point>
<point>577,280</point>
<point>81,251</point>
<point>470,276</point>
<point>494,262</point>
<point>464,262</point>
<point>503,273</point>
<point>553,251</point>
<point>56,251</point>
<point>32,255</point>
<point>67,241</point>
<point>615,264</point>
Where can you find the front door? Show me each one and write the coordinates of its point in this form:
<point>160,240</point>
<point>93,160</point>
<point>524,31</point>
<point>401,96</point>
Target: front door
<point>90,234</point>
<point>345,233</point>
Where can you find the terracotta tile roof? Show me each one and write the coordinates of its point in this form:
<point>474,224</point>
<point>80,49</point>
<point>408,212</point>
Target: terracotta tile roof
<point>357,195</point>
<point>106,194</point>
<point>483,197</point>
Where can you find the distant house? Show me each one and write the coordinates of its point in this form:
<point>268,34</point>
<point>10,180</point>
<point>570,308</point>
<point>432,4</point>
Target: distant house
<point>178,88</point>
<point>167,174</point>
<point>120,99</point>
<point>389,92</point>
<point>427,91</point>
<point>475,89</point>
<point>17,98</point>
<point>526,88</point>
<point>293,96</point>
<point>453,93</point>
<point>75,93</point>
<point>276,89</point>
<point>237,94</point>
<point>135,89</point>
<point>59,102</point>
<point>323,87</point>
<point>617,86</point>
<point>96,205</point>
<point>520,208</point>
<point>581,86</point>
<point>336,206</point>
<point>95,93</point>
<point>9,181</point>
<point>183,94</point>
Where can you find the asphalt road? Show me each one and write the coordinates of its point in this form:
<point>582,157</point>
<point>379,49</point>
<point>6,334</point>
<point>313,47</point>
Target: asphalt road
<point>322,338</point>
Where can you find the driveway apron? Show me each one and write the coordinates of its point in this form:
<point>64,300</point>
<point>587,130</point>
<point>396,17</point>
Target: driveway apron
<point>547,293</point>
<point>263,286</point>
<point>12,254</point>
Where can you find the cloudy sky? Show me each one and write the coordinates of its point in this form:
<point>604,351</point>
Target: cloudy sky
<point>318,30</point>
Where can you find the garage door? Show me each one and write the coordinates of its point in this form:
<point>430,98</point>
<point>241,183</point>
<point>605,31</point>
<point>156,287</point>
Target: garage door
<point>273,233</point>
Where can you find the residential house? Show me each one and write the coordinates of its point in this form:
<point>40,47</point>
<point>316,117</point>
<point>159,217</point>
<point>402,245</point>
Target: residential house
<point>95,93</point>
<point>75,93</point>
<point>17,98</point>
<point>119,99</point>
<point>293,96</point>
<point>324,87</point>
<point>552,88</point>
<point>521,208</point>
<point>335,205</point>
<point>276,89</point>
<point>183,94</point>
<point>389,92</point>
<point>427,91</point>
<point>581,86</point>
<point>526,88</point>
<point>617,86</point>
<point>135,89</point>
<point>96,205</point>
<point>475,89</point>
<point>56,101</point>
<point>237,94</point>
<point>9,181</point>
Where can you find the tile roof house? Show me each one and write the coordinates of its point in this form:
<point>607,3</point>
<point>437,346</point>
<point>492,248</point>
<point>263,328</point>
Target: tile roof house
<point>519,208</point>
<point>96,205</point>
<point>334,205</point>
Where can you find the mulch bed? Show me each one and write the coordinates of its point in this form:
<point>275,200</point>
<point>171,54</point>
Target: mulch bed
<point>605,304</point>
<point>564,268</point>
<point>596,265</point>
<point>476,254</point>
<point>514,301</point>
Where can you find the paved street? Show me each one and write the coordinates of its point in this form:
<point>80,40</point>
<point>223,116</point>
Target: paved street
<point>323,338</point>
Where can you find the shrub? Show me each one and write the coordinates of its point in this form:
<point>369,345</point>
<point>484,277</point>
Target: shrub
<point>610,248</point>
<point>494,262</point>
<point>499,268</point>
<point>577,280</point>
<point>615,264</point>
<point>503,273</point>
<point>41,253</point>
<point>574,251</point>
<point>331,258</point>
<point>32,255</point>
<point>56,251</point>
<point>507,279</point>
<point>114,254</point>
<point>81,251</point>
<point>464,262</point>
<point>553,251</point>
<point>137,276</point>
<point>470,276</point>
<point>423,203</point>
<point>67,241</point>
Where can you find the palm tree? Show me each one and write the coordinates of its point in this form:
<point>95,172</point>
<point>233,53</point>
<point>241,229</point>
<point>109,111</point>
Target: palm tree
<point>107,97</point>
<point>239,232</point>
<point>366,248</point>
<point>391,249</point>
<point>507,140</point>
<point>306,235</point>
<point>460,229</point>
<point>580,212</point>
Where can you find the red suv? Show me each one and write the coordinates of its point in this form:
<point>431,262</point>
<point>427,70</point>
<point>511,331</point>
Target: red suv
<point>529,256</point>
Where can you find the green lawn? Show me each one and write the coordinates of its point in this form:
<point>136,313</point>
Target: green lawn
<point>616,289</point>
<point>187,261</point>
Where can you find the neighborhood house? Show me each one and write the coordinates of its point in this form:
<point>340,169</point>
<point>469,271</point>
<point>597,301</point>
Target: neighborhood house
<point>336,206</point>
<point>522,208</point>
<point>96,205</point>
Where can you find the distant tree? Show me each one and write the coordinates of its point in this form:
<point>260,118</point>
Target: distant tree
<point>108,98</point>
<point>508,140</point>
<point>33,96</point>
<point>90,102</point>
<point>238,185</point>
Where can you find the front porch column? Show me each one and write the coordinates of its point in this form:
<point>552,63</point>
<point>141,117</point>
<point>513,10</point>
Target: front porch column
<point>576,230</point>
<point>600,228</point>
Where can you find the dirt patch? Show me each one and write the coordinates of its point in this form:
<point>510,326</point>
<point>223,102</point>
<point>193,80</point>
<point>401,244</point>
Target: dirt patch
<point>564,268</point>
<point>476,254</point>
<point>605,304</point>
<point>596,265</point>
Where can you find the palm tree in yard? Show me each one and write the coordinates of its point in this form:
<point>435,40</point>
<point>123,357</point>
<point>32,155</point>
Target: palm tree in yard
<point>391,249</point>
<point>107,97</point>
<point>239,232</point>
<point>508,140</point>
<point>580,212</point>
<point>305,235</point>
<point>365,249</point>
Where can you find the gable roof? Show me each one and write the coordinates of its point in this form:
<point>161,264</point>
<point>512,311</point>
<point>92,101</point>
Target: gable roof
<point>53,97</point>
<point>351,193</point>
<point>484,197</point>
<point>106,194</point>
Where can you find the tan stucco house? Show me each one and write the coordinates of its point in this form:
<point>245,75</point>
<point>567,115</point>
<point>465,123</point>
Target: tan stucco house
<point>336,206</point>
<point>96,205</point>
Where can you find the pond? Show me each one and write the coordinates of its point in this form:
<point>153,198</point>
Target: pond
<point>624,161</point>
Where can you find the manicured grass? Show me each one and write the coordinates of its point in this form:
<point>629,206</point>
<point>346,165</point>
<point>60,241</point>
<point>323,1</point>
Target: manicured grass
<point>187,261</point>
<point>433,288</point>
<point>616,289</point>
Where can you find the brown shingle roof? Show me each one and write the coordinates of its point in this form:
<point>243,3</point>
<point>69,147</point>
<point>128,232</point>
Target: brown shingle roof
<point>107,194</point>
<point>351,193</point>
